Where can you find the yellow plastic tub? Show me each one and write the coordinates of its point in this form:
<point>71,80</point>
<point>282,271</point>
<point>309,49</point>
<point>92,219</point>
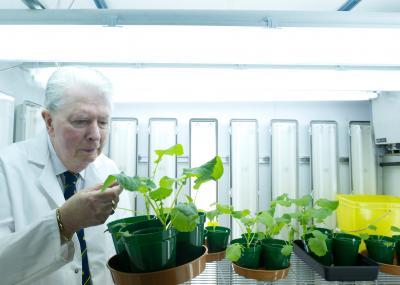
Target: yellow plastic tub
<point>356,212</point>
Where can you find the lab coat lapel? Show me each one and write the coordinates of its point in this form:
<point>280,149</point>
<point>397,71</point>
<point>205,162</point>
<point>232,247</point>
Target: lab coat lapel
<point>39,157</point>
<point>92,175</point>
<point>50,187</point>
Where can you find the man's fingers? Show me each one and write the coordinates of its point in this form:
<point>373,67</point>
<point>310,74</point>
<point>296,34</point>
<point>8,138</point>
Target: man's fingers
<point>118,189</point>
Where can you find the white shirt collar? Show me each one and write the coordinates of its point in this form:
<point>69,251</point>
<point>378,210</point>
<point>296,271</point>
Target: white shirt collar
<point>58,166</point>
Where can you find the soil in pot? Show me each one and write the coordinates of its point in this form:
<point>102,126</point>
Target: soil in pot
<point>272,255</point>
<point>150,247</point>
<point>190,244</point>
<point>345,249</point>
<point>381,248</point>
<point>217,238</point>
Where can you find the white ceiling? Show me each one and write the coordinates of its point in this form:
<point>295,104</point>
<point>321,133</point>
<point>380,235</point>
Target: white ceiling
<point>284,5</point>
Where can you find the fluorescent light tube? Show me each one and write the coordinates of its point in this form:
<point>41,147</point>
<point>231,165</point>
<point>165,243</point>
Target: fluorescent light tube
<point>201,44</point>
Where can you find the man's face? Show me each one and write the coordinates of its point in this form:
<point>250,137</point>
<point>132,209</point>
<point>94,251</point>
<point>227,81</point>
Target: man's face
<point>78,130</point>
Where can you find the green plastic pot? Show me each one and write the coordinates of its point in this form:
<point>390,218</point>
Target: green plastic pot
<point>325,231</point>
<point>190,244</point>
<point>326,259</point>
<point>114,228</point>
<point>238,240</point>
<point>150,247</point>
<point>397,239</point>
<point>250,257</point>
<point>379,248</point>
<point>217,238</point>
<point>272,255</point>
<point>345,249</point>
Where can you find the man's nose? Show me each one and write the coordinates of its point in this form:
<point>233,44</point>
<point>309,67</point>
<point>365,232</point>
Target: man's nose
<point>94,131</point>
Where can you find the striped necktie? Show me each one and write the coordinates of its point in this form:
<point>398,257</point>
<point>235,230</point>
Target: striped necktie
<point>69,190</point>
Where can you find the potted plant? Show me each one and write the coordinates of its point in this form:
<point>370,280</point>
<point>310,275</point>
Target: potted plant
<point>276,252</point>
<point>380,248</point>
<point>245,251</point>
<point>217,236</point>
<point>317,241</point>
<point>396,237</point>
<point>151,245</point>
<point>114,229</point>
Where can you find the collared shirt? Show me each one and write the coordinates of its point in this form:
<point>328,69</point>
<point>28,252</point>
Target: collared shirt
<point>59,168</point>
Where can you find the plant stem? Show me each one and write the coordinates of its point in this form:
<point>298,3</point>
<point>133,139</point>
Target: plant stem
<point>174,202</point>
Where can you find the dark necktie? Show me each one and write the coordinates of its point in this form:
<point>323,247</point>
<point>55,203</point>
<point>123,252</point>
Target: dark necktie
<point>69,190</point>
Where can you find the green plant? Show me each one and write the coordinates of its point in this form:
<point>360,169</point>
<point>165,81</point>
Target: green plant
<point>306,214</point>
<point>247,225</point>
<point>183,216</point>
<point>395,229</point>
<point>219,210</point>
<point>274,225</point>
<point>372,227</point>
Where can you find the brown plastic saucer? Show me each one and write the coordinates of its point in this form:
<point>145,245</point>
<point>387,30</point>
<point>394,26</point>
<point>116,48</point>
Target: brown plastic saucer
<point>261,274</point>
<point>171,276</point>
<point>215,256</point>
<point>392,269</point>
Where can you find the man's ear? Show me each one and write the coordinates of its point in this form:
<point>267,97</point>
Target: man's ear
<point>48,120</point>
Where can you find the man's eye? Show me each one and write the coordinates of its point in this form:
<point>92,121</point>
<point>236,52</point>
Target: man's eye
<point>103,124</point>
<point>79,122</point>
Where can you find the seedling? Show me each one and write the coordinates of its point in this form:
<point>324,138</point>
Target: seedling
<point>182,216</point>
<point>306,214</point>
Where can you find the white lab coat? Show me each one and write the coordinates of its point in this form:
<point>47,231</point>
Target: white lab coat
<point>30,248</point>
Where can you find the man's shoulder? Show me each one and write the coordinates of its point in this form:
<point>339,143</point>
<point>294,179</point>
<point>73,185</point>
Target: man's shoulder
<point>104,161</point>
<point>15,152</point>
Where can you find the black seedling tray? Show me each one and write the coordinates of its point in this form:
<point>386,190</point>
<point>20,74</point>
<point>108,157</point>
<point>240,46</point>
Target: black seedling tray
<point>365,270</point>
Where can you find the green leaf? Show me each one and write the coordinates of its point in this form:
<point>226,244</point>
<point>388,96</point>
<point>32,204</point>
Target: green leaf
<point>211,215</point>
<point>303,201</point>
<point>224,209</point>
<point>372,227</point>
<point>319,235</point>
<point>328,204</point>
<point>320,214</point>
<point>287,249</point>
<point>160,194</point>
<point>109,180</point>
<point>184,217</point>
<point>395,229</point>
<point>190,200</point>
<point>265,218</point>
<point>240,214</point>
<point>364,236</point>
<point>211,170</point>
<point>248,222</point>
<point>173,150</point>
<point>141,184</point>
<point>388,244</point>
<point>234,252</point>
<point>166,182</point>
<point>317,246</point>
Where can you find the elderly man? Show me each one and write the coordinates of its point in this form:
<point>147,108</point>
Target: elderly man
<point>51,212</point>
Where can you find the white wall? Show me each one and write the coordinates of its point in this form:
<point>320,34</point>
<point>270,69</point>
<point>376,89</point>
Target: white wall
<point>19,84</point>
<point>304,112</point>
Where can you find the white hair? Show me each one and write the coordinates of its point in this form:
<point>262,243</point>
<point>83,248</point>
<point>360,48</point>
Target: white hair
<point>72,76</point>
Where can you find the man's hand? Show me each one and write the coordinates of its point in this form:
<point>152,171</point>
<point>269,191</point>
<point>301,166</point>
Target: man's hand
<point>88,207</point>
